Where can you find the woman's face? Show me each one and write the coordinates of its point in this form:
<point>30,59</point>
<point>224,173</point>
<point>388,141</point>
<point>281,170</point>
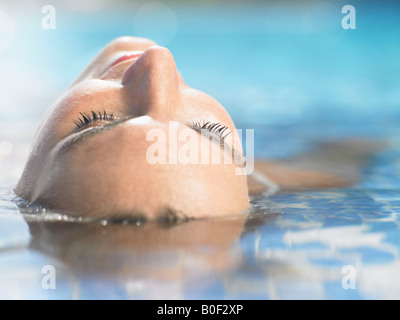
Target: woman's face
<point>98,150</point>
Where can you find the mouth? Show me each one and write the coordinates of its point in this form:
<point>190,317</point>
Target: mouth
<point>126,57</point>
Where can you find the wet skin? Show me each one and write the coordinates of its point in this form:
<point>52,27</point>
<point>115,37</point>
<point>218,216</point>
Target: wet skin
<point>92,171</point>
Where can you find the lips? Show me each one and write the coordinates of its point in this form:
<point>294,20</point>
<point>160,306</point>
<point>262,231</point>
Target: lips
<point>126,57</point>
<point>131,56</point>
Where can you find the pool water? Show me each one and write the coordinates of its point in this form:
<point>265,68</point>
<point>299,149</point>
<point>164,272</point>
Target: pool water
<point>290,72</point>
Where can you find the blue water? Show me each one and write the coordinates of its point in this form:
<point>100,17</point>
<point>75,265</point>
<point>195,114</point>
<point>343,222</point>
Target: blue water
<point>287,70</point>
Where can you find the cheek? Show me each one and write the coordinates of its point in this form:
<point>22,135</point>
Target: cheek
<point>202,106</point>
<point>95,95</point>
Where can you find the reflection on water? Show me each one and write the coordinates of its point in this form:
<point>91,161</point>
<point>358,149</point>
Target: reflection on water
<point>144,260</point>
<point>292,245</point>
<point>150,249</point>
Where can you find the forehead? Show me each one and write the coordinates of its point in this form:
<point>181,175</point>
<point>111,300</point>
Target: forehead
<point>112,171</point>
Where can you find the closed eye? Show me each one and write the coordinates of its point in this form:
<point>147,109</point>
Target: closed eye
<point>213,131</point>
<point>209,129</point>
<point>86,119</point>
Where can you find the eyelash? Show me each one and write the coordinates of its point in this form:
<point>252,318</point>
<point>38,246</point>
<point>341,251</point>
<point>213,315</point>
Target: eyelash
<point>85,119</point>
<point>213,128</point>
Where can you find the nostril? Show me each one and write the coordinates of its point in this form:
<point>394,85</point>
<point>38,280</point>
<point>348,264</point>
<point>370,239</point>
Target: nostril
<point>133,71</point>
<point>153,61</point>
<point>152,83</point>
<point>156,60</point>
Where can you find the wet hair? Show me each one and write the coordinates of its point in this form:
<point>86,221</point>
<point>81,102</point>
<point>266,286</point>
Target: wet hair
<point>167,216</point>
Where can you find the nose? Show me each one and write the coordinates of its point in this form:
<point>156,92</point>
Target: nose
<point>151,83</point>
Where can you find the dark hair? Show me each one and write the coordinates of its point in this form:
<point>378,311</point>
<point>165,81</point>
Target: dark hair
<point>166,217</point>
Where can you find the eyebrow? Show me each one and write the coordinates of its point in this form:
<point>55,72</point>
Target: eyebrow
<point>79,137</point>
